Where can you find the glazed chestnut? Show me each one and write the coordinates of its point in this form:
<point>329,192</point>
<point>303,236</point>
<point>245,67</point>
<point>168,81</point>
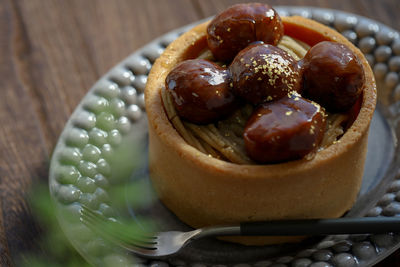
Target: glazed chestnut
<point>238,26</point>
<point>263,73</point>
<point>333,76</point>
<point>284,130</point>
<point>200,91</point>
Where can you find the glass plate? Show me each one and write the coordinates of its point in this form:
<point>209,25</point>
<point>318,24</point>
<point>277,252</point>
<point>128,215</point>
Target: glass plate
<point>101,161</point>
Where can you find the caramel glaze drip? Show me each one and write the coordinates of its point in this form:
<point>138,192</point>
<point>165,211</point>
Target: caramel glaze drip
<point>224,139</point>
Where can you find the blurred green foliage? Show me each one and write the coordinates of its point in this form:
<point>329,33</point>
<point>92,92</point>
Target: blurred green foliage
<point>59,225</point>
<point>54,248</point>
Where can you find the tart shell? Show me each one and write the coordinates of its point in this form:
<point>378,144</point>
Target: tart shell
<point>203,191</point>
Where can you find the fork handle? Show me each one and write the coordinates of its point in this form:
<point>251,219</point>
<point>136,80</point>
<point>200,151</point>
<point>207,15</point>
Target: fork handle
<point>372,225</point>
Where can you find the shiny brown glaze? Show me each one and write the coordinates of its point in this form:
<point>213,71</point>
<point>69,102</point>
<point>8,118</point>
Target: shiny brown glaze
<point>238,26</point>
<point>332,76</point>
<point>200,91</point>
<point>284,130</point>
<point>263,73</point>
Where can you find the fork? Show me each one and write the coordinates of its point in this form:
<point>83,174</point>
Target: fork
<point>162,244</point>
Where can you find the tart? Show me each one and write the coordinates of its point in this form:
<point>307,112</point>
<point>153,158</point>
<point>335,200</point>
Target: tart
<point>204,190</point>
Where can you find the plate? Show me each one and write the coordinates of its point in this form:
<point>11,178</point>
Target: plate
<point>101,161</point>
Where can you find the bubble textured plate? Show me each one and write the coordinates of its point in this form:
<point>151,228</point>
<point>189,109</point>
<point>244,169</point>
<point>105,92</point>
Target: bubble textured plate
<point>101,161</point>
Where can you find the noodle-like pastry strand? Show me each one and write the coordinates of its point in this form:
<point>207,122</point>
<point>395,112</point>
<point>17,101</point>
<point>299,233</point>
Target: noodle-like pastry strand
<point>293,47</point>
<point>217,141</point>
<point>334,129</point>
<point>175,120</point>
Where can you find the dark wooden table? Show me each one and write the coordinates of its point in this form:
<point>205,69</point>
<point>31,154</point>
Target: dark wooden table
<point>51,53</point>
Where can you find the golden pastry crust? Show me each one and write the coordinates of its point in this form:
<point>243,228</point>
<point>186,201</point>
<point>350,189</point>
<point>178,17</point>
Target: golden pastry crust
<point>203,191</point>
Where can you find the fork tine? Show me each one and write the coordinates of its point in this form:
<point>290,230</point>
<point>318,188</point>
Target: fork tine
<point>119,228</point>
<point>110,230</point>
<point>113,232</point>
<point>114,239</point>
<point>130,246</point>
<point>102,219</point>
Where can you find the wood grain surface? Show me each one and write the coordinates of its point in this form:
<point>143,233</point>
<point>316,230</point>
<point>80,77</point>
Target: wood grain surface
<point>52,52</point>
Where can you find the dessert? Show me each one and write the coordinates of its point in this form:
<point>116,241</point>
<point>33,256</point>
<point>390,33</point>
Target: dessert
<point>287,129</point>
<point>218,168</point>
<point>254,22</point>
<point>338,89</point>
<point>255,75</point>
<point>204,95</point>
